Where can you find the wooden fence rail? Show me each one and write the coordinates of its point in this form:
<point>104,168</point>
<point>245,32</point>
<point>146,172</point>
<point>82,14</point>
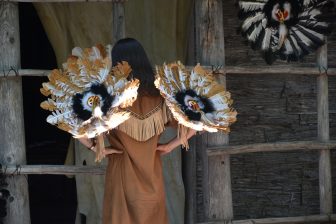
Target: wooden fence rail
<point>286,220</point>
<point>271,147</point>
<point>229,70</point>
<point>52,169</point>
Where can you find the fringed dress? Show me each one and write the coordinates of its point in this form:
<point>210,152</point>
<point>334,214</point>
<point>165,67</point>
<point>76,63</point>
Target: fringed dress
<point>134,188</point>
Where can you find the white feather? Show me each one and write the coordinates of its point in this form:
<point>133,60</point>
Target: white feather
<point>251,6</point>
<point>254,35</point>
<point>108,49</point>
<point>97,112</point>
<point>318,35</point>
<point>57,116</point>
<point>103,73</point>
<point>312,13</point>
<point>95,54</point>
<point>264,22</point>
<point>283,31</point>
<point>251,20</point>
<point>296,45</point>
<point>302,37</point>
<point>53,89</point>
<point>218,102</point>
<point>288,47</point>
<point>267,39</point>
<point>77,51</point>
<point>183,77</point>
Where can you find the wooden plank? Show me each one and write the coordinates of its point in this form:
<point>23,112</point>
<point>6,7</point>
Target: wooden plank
<point>217,194</point>
<point>52,169</point>
<point>229,70</point>
<point>189,157</point>
<point>118,26</point>
<point>63,0</point>
<point>189,180</point>
<point>325,180</point>
<point>270,70</point>
<point>12,140</point>
<point>287,220</point>
<point>24,72</point>
<point>271,147</point>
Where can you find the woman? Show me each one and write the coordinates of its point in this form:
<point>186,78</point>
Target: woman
<point>134,190</point>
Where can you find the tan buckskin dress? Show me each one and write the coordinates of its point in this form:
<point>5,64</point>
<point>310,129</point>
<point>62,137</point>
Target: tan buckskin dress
<point>134,187</point>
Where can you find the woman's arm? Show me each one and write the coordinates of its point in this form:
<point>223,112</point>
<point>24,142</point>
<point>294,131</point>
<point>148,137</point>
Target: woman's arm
<point>167,148</point>
<point>87,142</point>
<point>90,144</point>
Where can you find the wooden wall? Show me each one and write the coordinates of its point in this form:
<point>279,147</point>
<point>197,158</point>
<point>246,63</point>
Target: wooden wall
<point>276,108</point>
<point>272,108</point>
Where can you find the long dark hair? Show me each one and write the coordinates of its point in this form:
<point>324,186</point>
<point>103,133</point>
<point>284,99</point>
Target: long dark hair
<point>130,50</point>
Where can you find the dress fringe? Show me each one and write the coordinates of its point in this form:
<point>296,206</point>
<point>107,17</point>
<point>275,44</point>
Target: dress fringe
<point>144,127</point>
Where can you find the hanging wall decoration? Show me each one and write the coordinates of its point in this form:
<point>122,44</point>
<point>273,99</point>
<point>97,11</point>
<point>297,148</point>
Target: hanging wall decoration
<point>286,29</point>
<point>195,98</point>
<point>86,96</point>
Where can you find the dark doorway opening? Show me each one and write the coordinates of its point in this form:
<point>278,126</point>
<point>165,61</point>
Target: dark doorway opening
<point>52,197</point>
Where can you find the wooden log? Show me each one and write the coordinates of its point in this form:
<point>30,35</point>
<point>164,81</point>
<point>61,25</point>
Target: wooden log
<point>24,72</point>
<point>271,147</point>
<point>118,28</point>
<point>12,170</point>
<point>63,0</point>
<point>217,196</point>
<point>228,70</point>
<point>12,140</point>
<point>287,220</point>
<point>325,180</point>
<point>189,180</point>
<point>189,157</point>
<point>270,70</point>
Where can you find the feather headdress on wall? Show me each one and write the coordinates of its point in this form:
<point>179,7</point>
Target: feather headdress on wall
<point>194,97</point>
<point>286,29</point>
<point>86,96</point>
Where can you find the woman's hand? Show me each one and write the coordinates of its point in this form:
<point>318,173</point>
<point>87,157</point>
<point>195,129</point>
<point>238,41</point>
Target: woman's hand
<point>164,149</point>
<point>108,151</point>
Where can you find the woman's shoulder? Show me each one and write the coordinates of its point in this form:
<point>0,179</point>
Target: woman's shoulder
<point>145,103</point>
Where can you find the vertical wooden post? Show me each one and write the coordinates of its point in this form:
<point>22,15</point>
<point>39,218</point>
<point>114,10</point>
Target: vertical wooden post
<point>210,46</point>
<point>189,157</point>
<point>12,143</point>
<point>323,132</point>
<point>118,29</point>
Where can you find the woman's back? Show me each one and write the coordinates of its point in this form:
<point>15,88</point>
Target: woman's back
<point>134,189</point>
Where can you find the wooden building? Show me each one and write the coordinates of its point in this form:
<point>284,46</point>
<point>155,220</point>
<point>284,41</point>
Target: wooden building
<point>274,167</point>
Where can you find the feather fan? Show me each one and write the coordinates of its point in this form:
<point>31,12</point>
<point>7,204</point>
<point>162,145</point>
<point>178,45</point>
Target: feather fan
<point>286,29</point>
<point>195,99</point>
<point>86,96</point>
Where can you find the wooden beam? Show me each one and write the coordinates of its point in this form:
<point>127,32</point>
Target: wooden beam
<point>286,220</point>
<point>228,70</point>
<point>62,0</point>
<point>217,194</point>
<point>271,147</point>
<point>23,72</point>
<point>270,70</point>
<point>118,26</point>
<point>12,140</point>
<point>325,179</point>
<point>189,180</point>
<point>11,170</point>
